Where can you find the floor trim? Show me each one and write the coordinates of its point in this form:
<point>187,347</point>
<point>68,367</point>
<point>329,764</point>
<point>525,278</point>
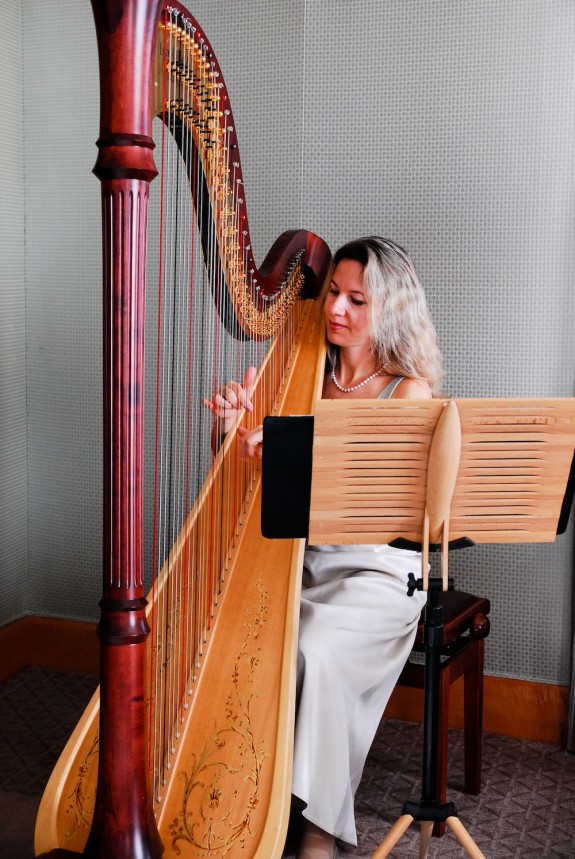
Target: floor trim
<point>67,645</point>
<point>513,708</point>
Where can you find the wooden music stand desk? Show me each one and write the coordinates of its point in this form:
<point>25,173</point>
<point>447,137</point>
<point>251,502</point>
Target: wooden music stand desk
<point>438,474</point>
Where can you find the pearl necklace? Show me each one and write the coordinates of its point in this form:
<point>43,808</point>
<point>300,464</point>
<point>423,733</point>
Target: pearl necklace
<point>354,387</point>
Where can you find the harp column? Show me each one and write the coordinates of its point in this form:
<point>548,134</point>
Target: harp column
<point>124,826</point>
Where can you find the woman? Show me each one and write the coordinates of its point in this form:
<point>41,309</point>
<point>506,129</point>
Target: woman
<point>357,623</point>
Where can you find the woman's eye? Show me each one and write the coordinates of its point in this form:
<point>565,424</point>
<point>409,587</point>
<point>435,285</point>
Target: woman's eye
<point>357,302</point>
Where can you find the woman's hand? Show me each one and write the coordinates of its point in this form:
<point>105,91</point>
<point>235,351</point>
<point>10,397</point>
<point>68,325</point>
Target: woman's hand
<point>226,403</point>
<point>250,442</point>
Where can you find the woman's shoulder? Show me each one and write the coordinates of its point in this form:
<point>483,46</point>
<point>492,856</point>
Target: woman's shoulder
<point>413,389</point>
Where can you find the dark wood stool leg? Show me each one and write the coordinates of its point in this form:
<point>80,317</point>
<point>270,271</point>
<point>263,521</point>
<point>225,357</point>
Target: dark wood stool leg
<point>473,704</point>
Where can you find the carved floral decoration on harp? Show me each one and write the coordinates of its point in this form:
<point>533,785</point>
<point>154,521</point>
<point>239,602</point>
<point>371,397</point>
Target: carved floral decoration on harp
<point>81,800</point>
<point>215,789</point>
<point>215,812</point>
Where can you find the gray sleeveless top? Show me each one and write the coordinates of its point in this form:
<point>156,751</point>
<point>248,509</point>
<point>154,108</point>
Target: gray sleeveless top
<point>390,388</point>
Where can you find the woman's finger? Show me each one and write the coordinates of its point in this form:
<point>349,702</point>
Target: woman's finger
<point>250,381</point>
<point>240,395</point>
<point>221,408</point>
<point>230,395</point>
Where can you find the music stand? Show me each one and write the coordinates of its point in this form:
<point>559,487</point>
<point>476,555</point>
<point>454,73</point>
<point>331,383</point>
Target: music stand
<point>435,475</point>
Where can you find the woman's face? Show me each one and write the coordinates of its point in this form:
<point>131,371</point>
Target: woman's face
<point>346,307</point>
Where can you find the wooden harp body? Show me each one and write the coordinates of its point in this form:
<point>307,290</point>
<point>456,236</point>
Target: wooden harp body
<point>185,750</point>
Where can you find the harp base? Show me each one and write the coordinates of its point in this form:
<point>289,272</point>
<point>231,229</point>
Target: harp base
<point>58,854</point>
<point>429,810</point>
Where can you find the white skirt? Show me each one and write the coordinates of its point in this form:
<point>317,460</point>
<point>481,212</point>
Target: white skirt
<point>357,629</point>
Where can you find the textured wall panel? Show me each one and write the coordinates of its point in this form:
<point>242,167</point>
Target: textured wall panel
<point>13,480</point>
<point>64,308</point>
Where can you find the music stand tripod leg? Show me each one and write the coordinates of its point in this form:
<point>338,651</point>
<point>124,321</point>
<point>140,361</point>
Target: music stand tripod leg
<point>398,829</point>
<point>425,838</point>
<point>464,838</point>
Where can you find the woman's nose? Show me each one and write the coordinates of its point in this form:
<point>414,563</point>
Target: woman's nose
<point>338,306</point>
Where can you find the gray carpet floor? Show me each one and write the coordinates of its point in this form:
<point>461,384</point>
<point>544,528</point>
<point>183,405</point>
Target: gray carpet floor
<point>526,807</point>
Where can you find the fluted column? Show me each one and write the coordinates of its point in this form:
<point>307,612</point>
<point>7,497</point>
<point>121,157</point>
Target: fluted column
<point>124,826</point>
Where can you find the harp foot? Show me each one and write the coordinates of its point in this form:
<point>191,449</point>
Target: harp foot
<point>57,854</point>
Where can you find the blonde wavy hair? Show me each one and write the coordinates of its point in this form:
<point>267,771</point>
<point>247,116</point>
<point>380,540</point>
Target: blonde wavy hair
<point>403,336</point>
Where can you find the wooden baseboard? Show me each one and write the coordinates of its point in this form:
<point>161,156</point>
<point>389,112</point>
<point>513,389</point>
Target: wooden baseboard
<point>63,644</point>
<point>513,708</point>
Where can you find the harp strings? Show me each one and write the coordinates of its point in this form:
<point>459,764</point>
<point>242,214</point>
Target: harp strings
<point>204,249</point>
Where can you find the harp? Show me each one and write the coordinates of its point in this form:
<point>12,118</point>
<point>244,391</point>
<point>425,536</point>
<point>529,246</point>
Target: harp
<point>185,750</point>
